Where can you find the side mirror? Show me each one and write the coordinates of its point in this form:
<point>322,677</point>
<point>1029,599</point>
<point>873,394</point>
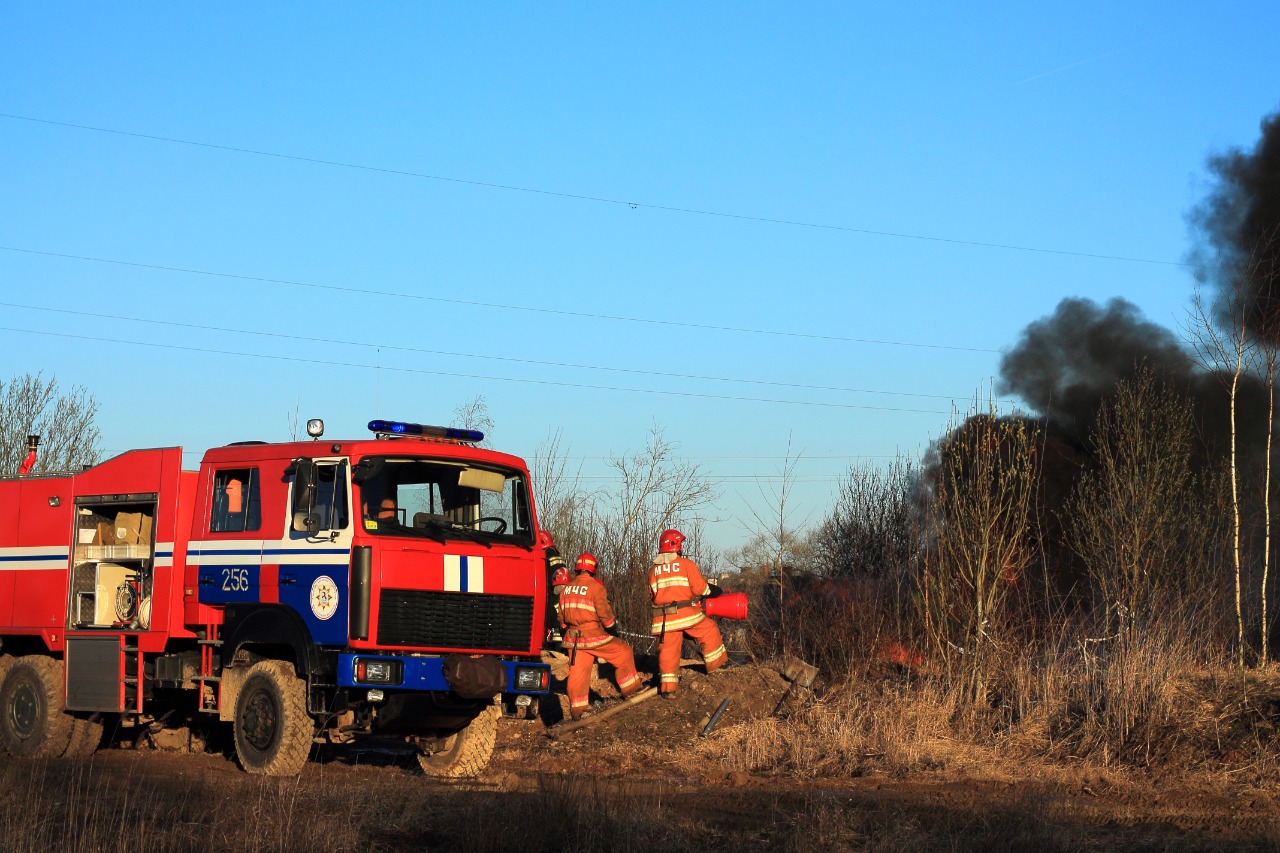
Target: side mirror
<point>304,523</point>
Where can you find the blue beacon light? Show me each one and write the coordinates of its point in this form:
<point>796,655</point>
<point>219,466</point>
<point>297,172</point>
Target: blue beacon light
<point>471,436</point>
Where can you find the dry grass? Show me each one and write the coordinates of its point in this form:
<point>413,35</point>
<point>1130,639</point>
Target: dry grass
<point>1153,701</point>
<point>905,727</point>
<point>1124,722</point>
<point>75,806</point>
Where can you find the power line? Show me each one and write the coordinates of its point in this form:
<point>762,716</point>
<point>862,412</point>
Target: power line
<point>509,359</point>
<point>414,370</point>
<point>633,205</point>
<point>748,478</point>
<point>532,309</point>
<point>802,479</point>
<point>795,456</point>
<point>537,457</point>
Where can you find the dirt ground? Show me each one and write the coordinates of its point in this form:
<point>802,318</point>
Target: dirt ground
<point>647,765</point>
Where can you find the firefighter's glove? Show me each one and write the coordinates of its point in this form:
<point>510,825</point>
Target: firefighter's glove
<point>713,591</point>
<point>612,630</point>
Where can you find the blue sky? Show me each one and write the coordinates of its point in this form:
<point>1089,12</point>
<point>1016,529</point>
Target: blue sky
<point>820,193</point>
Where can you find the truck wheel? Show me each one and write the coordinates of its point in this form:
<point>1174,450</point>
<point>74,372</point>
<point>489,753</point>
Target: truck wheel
<point>273,732</point>
<point>85,737</point>
<point>32,722</point>
<point>467,752</point>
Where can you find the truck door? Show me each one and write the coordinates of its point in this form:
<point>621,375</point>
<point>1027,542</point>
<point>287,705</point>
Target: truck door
<point>229,552</point>
<point>313,562</point>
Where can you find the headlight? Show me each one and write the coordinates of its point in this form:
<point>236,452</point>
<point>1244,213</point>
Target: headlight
<point>531,678</point>
<point>375,671</point>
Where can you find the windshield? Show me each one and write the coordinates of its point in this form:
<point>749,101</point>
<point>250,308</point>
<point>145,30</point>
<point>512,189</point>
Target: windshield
<point>439,499</point>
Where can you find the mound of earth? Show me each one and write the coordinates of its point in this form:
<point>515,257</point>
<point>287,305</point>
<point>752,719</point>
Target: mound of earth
<point>635,738</point>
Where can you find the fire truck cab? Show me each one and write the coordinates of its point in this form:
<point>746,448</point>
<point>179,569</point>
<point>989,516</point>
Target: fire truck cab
<point>390,586</point>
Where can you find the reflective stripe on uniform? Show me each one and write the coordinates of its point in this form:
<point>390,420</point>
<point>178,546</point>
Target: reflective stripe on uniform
<point>676,623</point>
<point>669,581</point>
<point>715,654</point>
<point>586,642</point>
<point>623,684</point>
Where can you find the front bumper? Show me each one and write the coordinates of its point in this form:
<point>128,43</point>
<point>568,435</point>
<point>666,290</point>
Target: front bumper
<point>424,673</point>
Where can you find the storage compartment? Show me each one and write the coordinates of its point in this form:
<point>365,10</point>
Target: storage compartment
<point>111,574</point>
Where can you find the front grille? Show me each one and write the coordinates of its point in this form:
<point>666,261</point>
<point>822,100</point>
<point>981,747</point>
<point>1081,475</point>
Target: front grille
<point>454,620</point>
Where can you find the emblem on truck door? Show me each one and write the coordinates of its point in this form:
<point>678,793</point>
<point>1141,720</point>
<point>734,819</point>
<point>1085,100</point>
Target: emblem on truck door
<point>324,597</point>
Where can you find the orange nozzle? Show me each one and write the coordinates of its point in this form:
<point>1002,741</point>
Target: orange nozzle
<point>727,605</point>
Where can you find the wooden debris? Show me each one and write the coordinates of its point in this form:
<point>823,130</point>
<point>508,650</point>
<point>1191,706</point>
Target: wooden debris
<point>566,728</point>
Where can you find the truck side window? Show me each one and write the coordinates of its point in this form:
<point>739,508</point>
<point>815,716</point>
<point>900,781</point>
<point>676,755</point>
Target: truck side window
<point>236,504</point>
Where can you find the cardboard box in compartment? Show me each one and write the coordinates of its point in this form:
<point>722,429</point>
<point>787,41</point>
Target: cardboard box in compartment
<point>104,534</point>
<point>108,578</point>
<point>129,528</point>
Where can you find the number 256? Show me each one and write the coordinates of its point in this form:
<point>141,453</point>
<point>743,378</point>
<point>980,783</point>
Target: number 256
<point>235,580</point>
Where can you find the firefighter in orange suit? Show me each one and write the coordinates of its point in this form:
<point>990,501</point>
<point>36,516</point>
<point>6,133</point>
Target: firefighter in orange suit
<point>590,632</point>
<point>677,588</point>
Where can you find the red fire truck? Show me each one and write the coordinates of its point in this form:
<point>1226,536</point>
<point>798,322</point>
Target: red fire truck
<point>391,586</point>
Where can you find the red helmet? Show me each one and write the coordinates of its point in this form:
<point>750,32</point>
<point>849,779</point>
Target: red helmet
<point>670,542</point>
<point>561,577</point>
<point>586,562</point>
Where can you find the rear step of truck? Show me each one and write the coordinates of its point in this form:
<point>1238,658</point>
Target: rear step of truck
<point>131,673</point>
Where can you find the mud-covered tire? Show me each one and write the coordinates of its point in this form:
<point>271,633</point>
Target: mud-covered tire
<point>32,721</point>
<point>273,732</point>
<point>467,752</point>
<point>85,737</point>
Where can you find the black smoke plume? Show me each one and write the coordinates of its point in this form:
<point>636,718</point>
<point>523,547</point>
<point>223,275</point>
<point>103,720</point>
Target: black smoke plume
<point>1065,365</point>
<point>1237,232</point>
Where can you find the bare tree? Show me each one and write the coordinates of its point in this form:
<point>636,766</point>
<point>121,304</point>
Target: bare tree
<point>982,481</point>
<point>871,528</point>
<point>657,490</point>
<point>776,535</point>
<point>566,506</point>
<point>33,405</point>
<point>474,414</point>
<point>620,525</point>
<point>1235,339</point>
<point>1264,276</point>
<point>1134,518</point>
